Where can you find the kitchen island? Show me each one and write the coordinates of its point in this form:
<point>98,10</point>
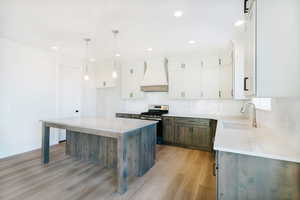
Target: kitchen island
<point>127,145</point>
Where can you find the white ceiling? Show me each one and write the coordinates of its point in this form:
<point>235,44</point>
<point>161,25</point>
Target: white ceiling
<point>142,24</point>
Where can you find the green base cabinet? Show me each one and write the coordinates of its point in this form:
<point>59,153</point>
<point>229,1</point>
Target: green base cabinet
<point>243,177</point>
<point>192,133</point>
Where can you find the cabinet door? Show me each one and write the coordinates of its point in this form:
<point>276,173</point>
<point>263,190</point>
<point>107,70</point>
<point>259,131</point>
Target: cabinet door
<point>125,82</point>
<point>181,130</point>
<point>104,76</point>
<point>137,77</point>
<point>242,176</point>
<point>193,85</point>
<point>250,52</point>
<point>226,82</point>
<point>201,137</point>
<point>168,133</point>
<point>278,47</point>
<point>177,81</point>
<point>193,136</point>
<point>210,82</point>
<point>131,79</point>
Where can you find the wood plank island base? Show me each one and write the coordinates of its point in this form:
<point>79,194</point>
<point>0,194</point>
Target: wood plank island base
<point>127,145</point>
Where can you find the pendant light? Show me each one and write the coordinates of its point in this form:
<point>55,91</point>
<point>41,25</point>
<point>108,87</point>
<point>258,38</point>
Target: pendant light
<point>115,54</point>
<point>86,76</point>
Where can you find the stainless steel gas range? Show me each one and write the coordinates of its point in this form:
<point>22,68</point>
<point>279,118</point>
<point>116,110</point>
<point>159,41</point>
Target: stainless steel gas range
<point>154,113</point>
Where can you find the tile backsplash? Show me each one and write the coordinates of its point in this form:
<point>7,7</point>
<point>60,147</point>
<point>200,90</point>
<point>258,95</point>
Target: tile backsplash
<point>285,115</point>
<point>109,102</point>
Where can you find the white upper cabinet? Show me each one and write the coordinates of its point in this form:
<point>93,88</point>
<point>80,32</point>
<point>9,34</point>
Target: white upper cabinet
<point>176,80</point>
<point>226,76</point>
<point>193,84</point>
<point>131,78</point>
<point>210,77</point>
<point>185,80</point>
<point>217,77</point>
<point>274,46</point>
<point>104,76</point>
<point>249,79</point>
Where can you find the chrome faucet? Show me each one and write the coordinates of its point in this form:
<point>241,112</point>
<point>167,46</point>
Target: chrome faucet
<point>243,110</point>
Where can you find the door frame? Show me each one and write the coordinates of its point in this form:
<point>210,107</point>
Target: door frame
<point>58,91</point>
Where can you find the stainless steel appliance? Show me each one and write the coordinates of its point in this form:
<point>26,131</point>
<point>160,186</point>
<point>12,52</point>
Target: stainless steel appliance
<point>155,113</point>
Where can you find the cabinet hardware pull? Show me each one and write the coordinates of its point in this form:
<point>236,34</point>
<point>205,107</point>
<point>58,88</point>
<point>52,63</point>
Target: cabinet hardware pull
<point>246,9</point>
<point>182,94</point>
<point>245,84</point>
<point>220,94</point>
<point>215,168</point>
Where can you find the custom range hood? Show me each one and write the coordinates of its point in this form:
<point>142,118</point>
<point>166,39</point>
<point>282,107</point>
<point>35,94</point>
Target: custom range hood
<point>155,76</point>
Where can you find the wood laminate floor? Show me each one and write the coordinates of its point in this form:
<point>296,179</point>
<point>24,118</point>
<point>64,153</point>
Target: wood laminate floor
<point>179,174</point>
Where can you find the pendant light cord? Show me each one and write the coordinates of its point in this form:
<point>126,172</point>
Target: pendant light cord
<point>87,40</point>
<point>115,51</point>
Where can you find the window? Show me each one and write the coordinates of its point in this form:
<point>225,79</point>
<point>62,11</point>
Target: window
<point>263,103</point>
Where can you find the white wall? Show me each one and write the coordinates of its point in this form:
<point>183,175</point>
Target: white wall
<point>27,94</point>
<point>28,89</point>
<point>284,116</point>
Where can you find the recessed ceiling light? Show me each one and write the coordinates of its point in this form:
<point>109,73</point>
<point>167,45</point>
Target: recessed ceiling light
<point>118,55</point>
<point>92,59</point>
<point>55,48</point>
<point>192,42</point>
<point>149,49</point>
<point>239,23</point>
<point>178,13</point>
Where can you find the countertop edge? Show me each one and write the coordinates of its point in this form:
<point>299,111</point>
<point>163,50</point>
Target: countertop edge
<point>221,119</point>
<point>119,133</point>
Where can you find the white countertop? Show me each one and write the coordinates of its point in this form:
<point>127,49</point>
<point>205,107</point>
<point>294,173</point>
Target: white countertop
<point>239,137</point>
<point>235,135</point>
<point>114,125</point>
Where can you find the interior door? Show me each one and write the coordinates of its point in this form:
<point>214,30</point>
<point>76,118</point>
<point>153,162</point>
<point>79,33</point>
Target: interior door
<point>69,95</point>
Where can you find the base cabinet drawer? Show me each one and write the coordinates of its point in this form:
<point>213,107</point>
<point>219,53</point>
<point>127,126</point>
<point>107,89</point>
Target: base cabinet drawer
<point>126,115</point>
<point>193,121</point>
